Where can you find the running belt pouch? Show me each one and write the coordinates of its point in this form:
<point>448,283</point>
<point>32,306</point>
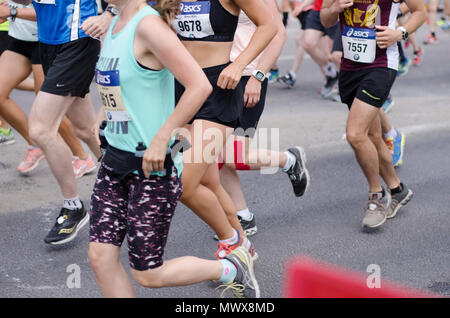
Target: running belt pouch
<point>122,163</point>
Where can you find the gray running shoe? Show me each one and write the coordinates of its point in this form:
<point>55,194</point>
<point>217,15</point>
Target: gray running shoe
<point>244,284</point>
<point>399,200</point>
<point>376,211</point>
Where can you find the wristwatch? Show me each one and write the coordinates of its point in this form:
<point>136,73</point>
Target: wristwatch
<point>13,13</point>
<point>260,76</point>
<point>112,10</point>
<point>405,33</point>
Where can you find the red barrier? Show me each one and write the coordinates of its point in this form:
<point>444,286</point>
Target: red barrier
<point>307,278</point>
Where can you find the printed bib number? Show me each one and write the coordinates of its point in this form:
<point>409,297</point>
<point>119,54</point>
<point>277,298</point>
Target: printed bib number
<point>359,45</point>
<point>193,22</point>
<point>108,84</point>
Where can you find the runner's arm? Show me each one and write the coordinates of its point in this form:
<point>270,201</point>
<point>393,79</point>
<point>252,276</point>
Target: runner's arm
<point>268,58</point>
<point>24,2</point>
<point>265,31</point>
<point>299,9</point>
<point>22,13</point>
<point>387,37</point>
<point>329,13</point>
<point>417,17</point>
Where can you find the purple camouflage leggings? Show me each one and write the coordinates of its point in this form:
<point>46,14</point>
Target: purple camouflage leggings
<point>141,209</point>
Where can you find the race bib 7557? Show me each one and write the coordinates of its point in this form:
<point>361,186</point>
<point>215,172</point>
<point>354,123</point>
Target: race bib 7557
<point>359,44</point>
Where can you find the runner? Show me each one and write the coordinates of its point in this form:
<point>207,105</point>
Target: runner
<point>368,70</point>
<point>20,59</point>
<point>284,8</point>
<point>432,19</point>
<point>68,58</point>
<point>133,69</point>
<point>210,45</point>
<point>293,160</point>
<point>313,34</point>
<point>303,8</point>
<point>417,50</point>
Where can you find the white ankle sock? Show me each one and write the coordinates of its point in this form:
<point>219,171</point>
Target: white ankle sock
<point>330,69</point>
<point>72,203</point>
<point>232,240</point>
<point>391,133</point>
<point>245,214</point>
<point>293,75</point>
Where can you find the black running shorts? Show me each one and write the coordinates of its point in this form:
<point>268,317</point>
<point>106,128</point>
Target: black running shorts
<point>302,18</point>
<point>69,68</point>
<point>248,121</point>
<point>371,85</point>
<point>26,48</point>
<point>223,106</point>
<point>313,22</point>
<point>4,39</point>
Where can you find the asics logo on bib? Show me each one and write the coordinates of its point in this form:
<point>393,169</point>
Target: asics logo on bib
<point>358,33</point>
<point>103,79</point>
<point>190,8</point>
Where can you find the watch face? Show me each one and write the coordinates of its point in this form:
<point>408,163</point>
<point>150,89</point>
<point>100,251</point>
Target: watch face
<point>13,11</point>
<point>259,76</point>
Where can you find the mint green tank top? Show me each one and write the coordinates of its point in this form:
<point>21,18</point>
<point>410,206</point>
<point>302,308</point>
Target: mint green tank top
<point>137,101</point>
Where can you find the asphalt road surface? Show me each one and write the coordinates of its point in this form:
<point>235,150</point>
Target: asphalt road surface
<point>412,249</point>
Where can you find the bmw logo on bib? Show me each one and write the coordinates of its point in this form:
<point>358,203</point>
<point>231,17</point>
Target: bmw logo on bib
<point>356,57</point>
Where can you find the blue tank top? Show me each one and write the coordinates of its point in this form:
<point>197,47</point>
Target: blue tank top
<point>59,21</point>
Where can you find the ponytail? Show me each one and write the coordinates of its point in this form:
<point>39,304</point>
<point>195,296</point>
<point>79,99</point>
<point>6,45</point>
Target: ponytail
<point>168,9</point>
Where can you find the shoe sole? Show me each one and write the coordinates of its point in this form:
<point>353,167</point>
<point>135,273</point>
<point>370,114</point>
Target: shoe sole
<point>82,223</point>
<point>9,142</point>
<point>303,161</point>
<point>400,160</point>
<point>33,166</point>
<point>402,203</point>
<point>376,225</point>
<point>252,274</point>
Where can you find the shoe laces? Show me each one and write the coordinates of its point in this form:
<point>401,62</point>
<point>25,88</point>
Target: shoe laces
<point>236,289</point>
<point>390,143</point>
<point>223,248</point>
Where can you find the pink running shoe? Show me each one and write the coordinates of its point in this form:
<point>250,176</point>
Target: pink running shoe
<point>82,167</point>
<point>31,159</point>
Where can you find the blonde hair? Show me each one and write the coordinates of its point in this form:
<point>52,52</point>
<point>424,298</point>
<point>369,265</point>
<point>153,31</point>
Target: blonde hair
<point>168,9</point>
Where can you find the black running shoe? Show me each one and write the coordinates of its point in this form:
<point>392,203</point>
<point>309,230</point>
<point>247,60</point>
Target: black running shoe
<point>67,225</point>
<point>287,80</point>
<point>327,90</point>
<point>298,174</point>
<point>249,227</point>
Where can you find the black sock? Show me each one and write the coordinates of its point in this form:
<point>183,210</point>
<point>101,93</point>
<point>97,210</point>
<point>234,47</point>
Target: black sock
<point>433,34</point>
<point>285,18</point>
<point>398,189</point>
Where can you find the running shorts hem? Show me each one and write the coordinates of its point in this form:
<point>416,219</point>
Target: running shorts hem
<point>371,85</point>
<point>28,49</point>
<point>69,68</point>
<point>313,22</point>
<point>223,106</point>
<point>249,119</point>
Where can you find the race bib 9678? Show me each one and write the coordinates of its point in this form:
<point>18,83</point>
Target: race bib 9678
<point>193,21</point>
